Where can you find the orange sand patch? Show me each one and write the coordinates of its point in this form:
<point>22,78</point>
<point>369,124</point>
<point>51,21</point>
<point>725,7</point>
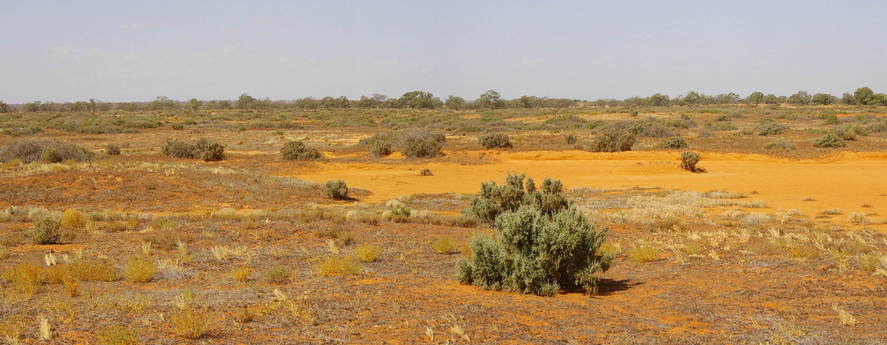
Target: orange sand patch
<point>843,180</point>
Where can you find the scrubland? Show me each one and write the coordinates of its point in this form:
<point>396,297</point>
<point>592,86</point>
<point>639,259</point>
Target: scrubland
<point>370,226</point>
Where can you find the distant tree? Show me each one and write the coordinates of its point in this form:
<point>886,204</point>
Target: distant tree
<point>801,97</point>
<point>863,96</point>
<point>32,107</point>
<point>691,98</point>
<point>490,100</point>
<point>162,103</point>
<point>5,108</point>
<point>246,101</point>
<point>727,98</point>
<point>756,97</point>
<point>823,99</point>
<point>658,100</point>
<point>455,102</point>
<point>194,104</point>
<point>771,99</point>
<point>306,103</point>
<point>420,100</point>
<point>879,99</point>
<point>847,98</point>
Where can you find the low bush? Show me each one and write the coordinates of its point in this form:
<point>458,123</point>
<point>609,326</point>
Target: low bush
<point>829,140</point>
<point>613,140</point>
<point>73,219</point>
<point>444,245</point>
<point>50,151</point>
<point>536,253</point>
<point>112,150</point>
<point>495,140</point>
<point>336,189</point>
<point>570,139</point>
<point>202,148</point>
<point>277,275</point>
<point>368,252</point>
<point>770,127</point>
<point>191,323</point>
<point>339,266</point>
<point>421,143</point>
<point>118,336</point>
<point>242,274</point>
<point>46,231</point>
<point>689,160</point>
<point>297,151</point>
<point>675,143</point>
<point>139,269</point>
<point>381,148</point>
<point>780,144</point>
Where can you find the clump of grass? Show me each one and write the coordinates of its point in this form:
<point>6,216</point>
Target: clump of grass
<point>368,252</point>
<point>191,323</point>
<point>245,315</point>
<point>118,336</point>
<point>92,270</point>
<point>844,316</point>
<point>24,277</point>
<point>72,286</point>
<point>73,219</point>
<point>139,269</point>
<point>243,274</point>
<point>858,218</point>
<point>444,245</point>
<point>832,211</point>
<point>339,266</point>
<point>112,150</point>
<point>277,275</point>
<point>643,253</point>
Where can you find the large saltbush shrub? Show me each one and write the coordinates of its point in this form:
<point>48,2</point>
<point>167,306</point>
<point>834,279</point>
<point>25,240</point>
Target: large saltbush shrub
<point>421,143</point>
<point>495,140</point>
<point>543,245</point>
<point>770,127</point>
<point>829,140</point>
<point>296,150</point>
<point>336,189</point>
<point>199,149</point>
<point>613,140</point>
<point>46,231</point>
<point>50,151</point>
<point>689,160</point>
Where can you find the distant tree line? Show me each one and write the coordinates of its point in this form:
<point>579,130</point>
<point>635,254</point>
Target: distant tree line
<point>426,100</point>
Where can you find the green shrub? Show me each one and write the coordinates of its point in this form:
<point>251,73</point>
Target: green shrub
<point>830,119</point>
<point>277,275</point>
<point>675,143</point>
<point>570,139</point>
<point>296,150</point>
<point>22,131</point>
<point>46,231</point>
<point>537,254</point>
<point>421,143</point>
<point>829,140</point>
<point>770,127</point>
<point>613,140</point>
<point>112,150</point>
<point>847,133</point>
<point>495,140</point>
<point>178,126</point>
<point>689,160</point>
<point>201,148</point>
<point>336,189</point>
<point>494,200</point>
<point>780,144</point>
<point>381,148</point>
<point>51,151</point>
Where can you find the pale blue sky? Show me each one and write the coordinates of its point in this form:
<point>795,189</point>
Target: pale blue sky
<point>119,50</point>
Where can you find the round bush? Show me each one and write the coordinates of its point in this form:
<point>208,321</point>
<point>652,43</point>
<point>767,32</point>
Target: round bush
<point>495,140</point>
<point>829,140</point>
<point>381,148</point>
<point>336,189</point>
<point>613,140</point>
<point>689,160</point>
<point>296,150</point>
<point>46,231</point>
<point>770,128</point>
<point>112,150</point>
<point>675,143</point>
<point>422,144</point>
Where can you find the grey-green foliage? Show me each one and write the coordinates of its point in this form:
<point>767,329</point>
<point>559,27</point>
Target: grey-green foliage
<point>46,231</point>
<point>336,189</point>
<point>689,160</point>
<point>675,143</point>
<point>829,140</point>
<point>50,151</point>
<point>538,253</point>
<point>494,199</point>
<point>297,150</point>
<point>495,140</point>
<point>201,148</point>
